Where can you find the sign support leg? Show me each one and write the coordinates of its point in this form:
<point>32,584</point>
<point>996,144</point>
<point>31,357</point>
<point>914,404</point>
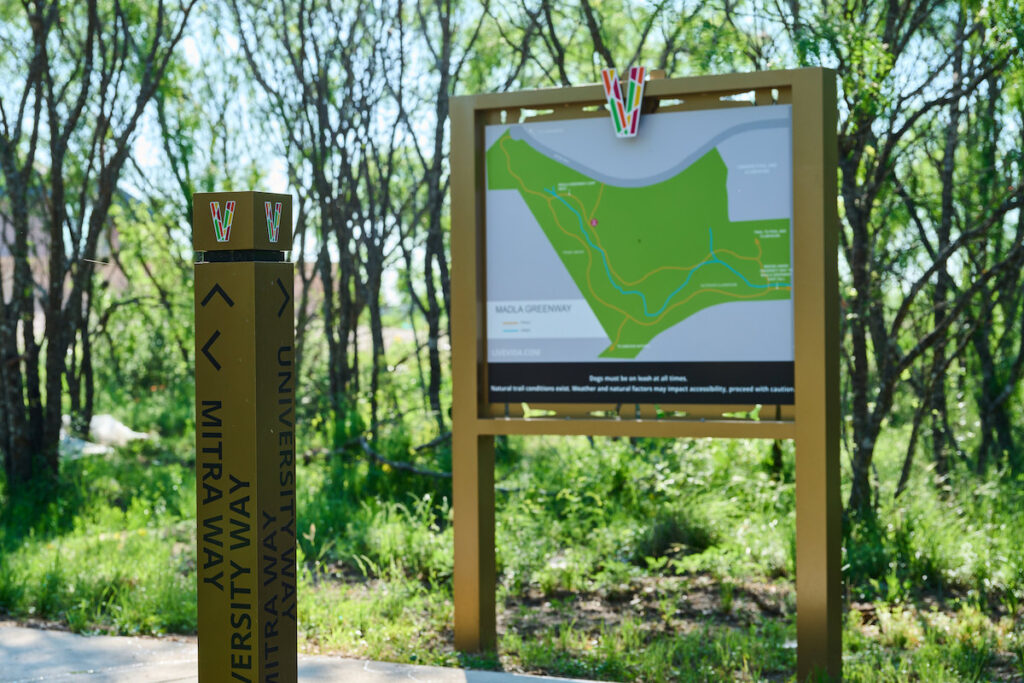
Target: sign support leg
<point>475,576</point>
<point>818,554</point>
<point>818,504</point>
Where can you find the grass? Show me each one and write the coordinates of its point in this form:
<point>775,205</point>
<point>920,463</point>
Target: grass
<point>627,560</point>
<point>111,550</point>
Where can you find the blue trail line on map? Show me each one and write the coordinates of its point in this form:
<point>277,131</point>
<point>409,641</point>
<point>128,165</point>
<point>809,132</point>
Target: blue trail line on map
<point>643,297</point>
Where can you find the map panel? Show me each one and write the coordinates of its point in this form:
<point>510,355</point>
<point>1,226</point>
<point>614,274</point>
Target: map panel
<point>667,255</point>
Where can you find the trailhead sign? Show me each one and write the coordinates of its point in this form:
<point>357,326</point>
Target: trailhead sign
<point>654,269</point>
<point>689,270</point>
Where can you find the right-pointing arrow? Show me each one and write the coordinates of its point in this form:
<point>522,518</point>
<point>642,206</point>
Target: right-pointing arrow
<point>287,298</point>
<point>206,350</point>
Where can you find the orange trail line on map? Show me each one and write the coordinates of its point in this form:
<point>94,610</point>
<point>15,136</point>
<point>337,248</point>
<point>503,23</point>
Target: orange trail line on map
<point>700,291</point>
<point>590,259</point>
<point>579,203</point>
<point>522,183</point>
<point>586,247</point>
<point>745,258</point>
<point>590,285</point>
<point>600,193</point>
<point>681,268</point>
<point>618,334</point>
<point>593,228</point>
<point>624,281</point>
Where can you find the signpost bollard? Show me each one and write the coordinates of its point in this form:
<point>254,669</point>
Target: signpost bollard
<point>245,437</point>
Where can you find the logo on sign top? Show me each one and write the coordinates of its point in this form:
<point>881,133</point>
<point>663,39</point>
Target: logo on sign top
<point>273,220</point>
<point>625,109</point>
<point>222,224</point>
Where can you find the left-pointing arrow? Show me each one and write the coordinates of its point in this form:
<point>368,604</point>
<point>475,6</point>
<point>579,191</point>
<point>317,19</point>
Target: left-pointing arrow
<point>206,350</point>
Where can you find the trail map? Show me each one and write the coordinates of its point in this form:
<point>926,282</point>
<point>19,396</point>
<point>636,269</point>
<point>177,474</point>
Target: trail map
<point>667,255</point>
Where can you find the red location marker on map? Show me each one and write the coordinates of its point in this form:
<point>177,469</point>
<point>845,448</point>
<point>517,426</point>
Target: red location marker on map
<point>593,222</point>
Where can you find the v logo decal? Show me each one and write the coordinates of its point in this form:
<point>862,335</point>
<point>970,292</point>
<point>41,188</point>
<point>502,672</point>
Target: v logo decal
<point>625,110</point>
<point>273,221</point>
<point>222,224</point>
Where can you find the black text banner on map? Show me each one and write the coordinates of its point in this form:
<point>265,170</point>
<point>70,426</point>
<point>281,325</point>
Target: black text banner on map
<point>638,382</point>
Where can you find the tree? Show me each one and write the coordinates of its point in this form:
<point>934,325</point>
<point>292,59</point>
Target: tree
<point>87,73</point>
<point>901,68</point>
<point>323,71</point>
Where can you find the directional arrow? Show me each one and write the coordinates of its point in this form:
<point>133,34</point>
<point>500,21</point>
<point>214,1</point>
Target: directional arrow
<point>206,350</point>
<point>287,298</point>
<point>217,289</point>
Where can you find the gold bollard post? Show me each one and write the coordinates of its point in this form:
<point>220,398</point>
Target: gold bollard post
<point>245,437</point>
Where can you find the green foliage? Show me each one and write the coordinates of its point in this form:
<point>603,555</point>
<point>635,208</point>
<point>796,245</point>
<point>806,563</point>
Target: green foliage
<point>929,645</point>
<point>629,652</point>
<point>112,550</point>
<point>143,365</point>
<point>953,539</point>
<point>354,515</point>
<point>393,619</point>
<point>682,528</point>
<point>646,528</point>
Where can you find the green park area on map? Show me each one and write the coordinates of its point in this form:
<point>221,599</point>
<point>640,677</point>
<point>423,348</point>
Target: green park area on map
<point>646,258</point>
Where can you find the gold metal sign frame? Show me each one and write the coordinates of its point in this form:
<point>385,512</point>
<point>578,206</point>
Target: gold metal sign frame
<point>812,422</point>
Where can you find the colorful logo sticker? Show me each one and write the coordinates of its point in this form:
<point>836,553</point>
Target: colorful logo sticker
<point>625,110</point>
<point>222,224</point>
<point>273,220</point>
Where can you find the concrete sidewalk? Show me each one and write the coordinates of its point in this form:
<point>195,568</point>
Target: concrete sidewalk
<point>29,654</point>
